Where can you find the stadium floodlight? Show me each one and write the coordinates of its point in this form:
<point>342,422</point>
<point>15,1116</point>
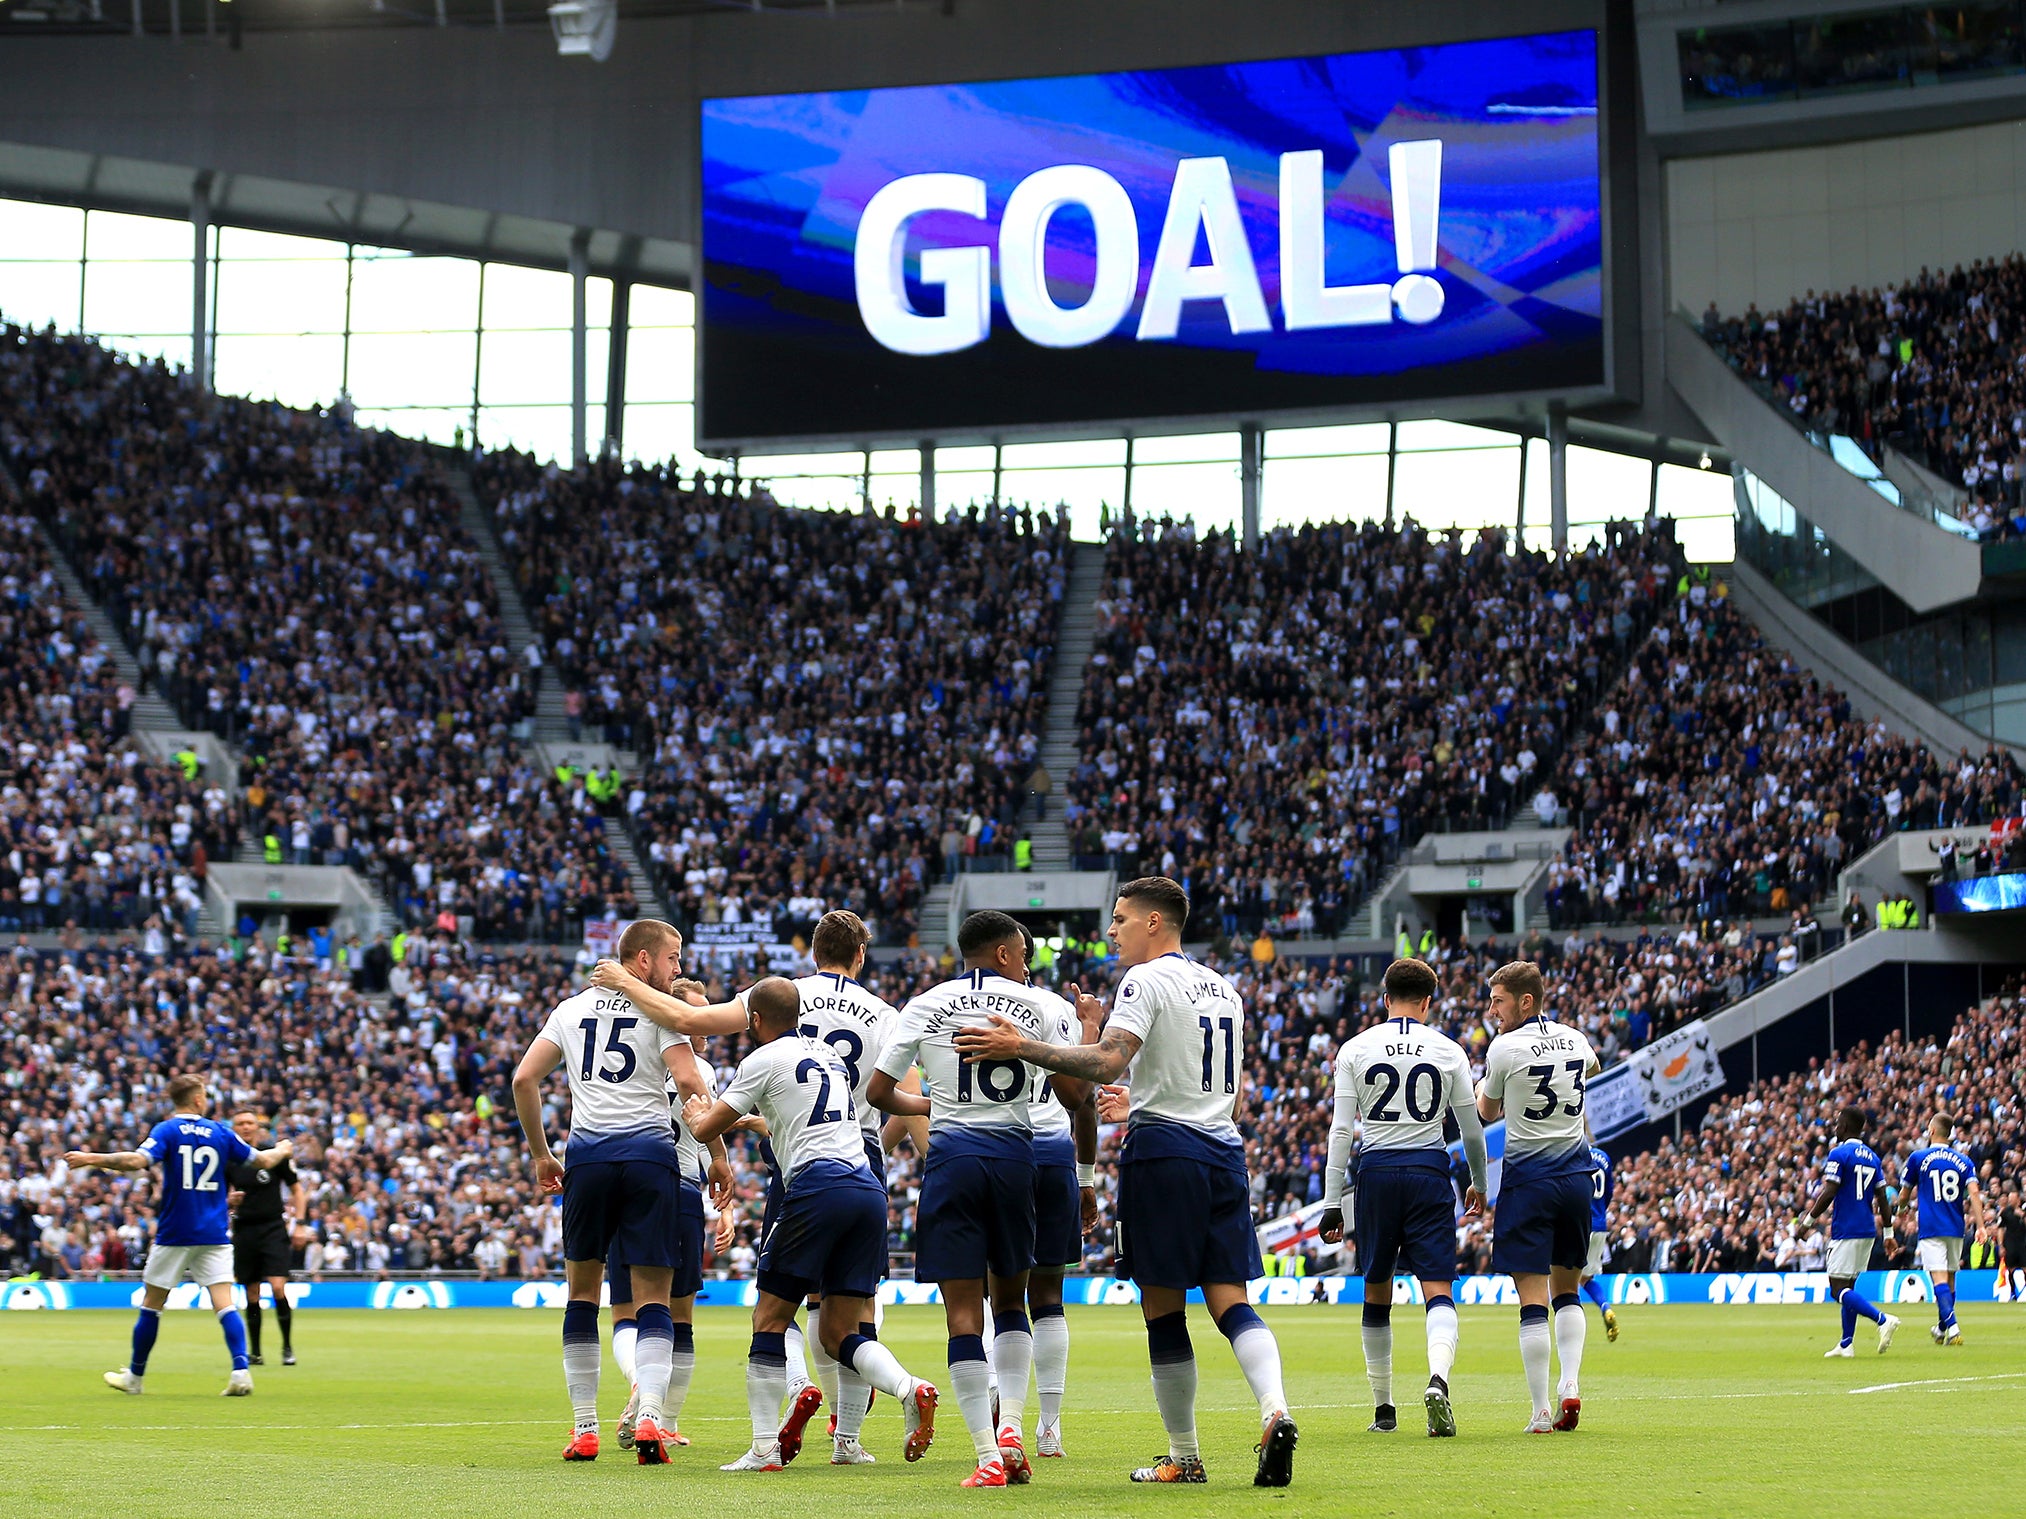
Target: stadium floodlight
<point>585,28</point>
<point>1703,462</point>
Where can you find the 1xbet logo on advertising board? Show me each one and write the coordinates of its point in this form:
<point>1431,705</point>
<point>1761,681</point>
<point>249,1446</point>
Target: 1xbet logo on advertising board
<point>1202,199</point>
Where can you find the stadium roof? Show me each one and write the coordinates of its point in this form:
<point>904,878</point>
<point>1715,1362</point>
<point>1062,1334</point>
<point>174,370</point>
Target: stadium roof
<point>103,182</point>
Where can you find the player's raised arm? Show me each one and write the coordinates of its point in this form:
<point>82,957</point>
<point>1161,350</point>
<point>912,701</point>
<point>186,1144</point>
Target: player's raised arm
<point>542,1057</point>
<point>1105,1061</point>
<point>896,1061</point>
<point>708,1120</point>
<point>885,1093</point>
<point>670,1012</point>
<point>273,1155</point>
<point>913,1127</point>
<point>1083,1126</point>
<point>101,1160</point>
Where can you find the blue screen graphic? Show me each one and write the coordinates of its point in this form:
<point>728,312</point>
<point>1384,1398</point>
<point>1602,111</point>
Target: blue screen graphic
<point>1298,234</point>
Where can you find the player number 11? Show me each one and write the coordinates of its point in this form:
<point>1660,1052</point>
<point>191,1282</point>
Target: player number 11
<point>1210,1029</point>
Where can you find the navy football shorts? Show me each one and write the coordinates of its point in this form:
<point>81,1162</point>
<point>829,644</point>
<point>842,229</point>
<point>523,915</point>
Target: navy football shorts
<point>1405,1220</point>
<point>1183,1223</point>
<point>628,1207</point>
<point>688,1271</point>
<point>829,1236</point>
<point>976,1216</point>
<point>1058,1217</point>
<point>1541,1223</point>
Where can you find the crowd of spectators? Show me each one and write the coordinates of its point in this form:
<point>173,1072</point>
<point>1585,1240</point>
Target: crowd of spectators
<point>1931,366</point>
<point>303,589</point>
<point>1732,1193</point>
<point>1719,781</point>
<point>1272,729</point>
<point>826,706</point>
<point>92,830</point>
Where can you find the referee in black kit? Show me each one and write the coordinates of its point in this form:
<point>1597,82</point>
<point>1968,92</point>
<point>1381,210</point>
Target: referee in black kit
<point>263,1203</point>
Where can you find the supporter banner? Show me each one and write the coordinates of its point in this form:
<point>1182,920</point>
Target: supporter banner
<point>708,941</point>
<point>601,935</point>
<point>1753,1287</point>
<point>1669,1073</point>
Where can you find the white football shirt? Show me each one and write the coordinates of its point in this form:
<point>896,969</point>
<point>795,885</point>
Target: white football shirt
<point>1191,1027</point>
<point>1051,1118</point>
<point>992,1094</point>
<point>1399,1078</point>
<point>1539,1071</point>
<point>856,1024</point>
<point>801,1087</point>
<point>613,1055</point>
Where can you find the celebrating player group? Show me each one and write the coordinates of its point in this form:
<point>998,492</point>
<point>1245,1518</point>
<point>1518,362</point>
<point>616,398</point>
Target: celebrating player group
<point>999,1083</point>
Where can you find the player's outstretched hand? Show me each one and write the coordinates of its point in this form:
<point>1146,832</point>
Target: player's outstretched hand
<point>549,1174</point>
<point>1000,1041</point>
<point>1473,1202</point>
<point>1114,1103</point>
<point>77,1160</point>
<point>753,1123</point>
<point>1331,1226</point>
<point>1089,1212</point>
<point>284,1148</point>
<point>721,1184</point>
<point>694,1109</point>
<point>728,1230</point>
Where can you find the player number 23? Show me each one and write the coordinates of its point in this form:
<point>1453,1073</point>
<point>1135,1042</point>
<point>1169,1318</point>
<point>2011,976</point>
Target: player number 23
<point>1544,1087</point>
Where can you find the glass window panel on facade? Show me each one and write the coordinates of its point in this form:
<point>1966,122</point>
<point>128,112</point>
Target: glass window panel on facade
<point>1326,442</point>
<point>661,433</point>
<point>543,431</point>
<point>297,371</point>
<point>1468,488</point>
<point>435,424</point>
<point>531,368</point>
<point>114,235</point>
<point>398,369</point>
<point>1349,488</point>
<point>1702,504</point>
<point>29,230</point>
<point>279,296</point>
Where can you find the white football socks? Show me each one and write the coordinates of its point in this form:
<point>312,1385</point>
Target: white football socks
<point>1570,1329</point>
<point>1441,1328</point>
<point>880,1367</point>
<point>824,1367</point>
<point>1051,1364</point>
<point>1013,1357</point>
<point>798,1361</point>
<point>1379,1361</point>
<point>580,1375</point>
<point>1536,1350</point>
<point>624,1338</point>
<point>972,1381</point>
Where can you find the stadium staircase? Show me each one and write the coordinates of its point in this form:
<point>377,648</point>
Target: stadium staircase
<point>551,726</point>
<point>1061,747</point>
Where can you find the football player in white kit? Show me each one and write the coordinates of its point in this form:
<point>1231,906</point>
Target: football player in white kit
<point>831,1235</point>
<point>1185,1213</point>
<point>622,1182</point>
<point>1399,1080</point>
<point>856,1024</point>
<point>1534,1077</point>
<point>975,1219</point>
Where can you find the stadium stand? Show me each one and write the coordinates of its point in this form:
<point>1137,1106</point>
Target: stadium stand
<point>338,629</point>
<point>1726,1196</point>
<point>1929,366</point>
<point>1335,658</point>
<point>92,831</point>
<point>818,698</point>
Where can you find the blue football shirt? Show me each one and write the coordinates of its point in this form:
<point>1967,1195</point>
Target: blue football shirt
<point>1941,1179</point>
<point>1601,1185</point>
<point>1854,1167</point>
<point>194,1153</point>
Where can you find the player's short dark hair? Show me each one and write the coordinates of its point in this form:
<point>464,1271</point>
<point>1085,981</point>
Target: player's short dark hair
<point>838,938</point>
<point>645,934</point>
<point>1850,1122</point>
<point>1410,981</point>
<point>1162,895</point>
<point>1523,979</point>
<point>775,1003</point>
<point>982,930</point>
<point>185,1088</point>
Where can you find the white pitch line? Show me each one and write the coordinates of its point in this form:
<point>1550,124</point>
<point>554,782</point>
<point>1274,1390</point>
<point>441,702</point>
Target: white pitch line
<point>2000,1376</point>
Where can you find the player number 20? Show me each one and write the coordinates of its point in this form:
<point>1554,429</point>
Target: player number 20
<point>1544,1088</point>
<point>1211,1028</point>
<point>1423,1088</point>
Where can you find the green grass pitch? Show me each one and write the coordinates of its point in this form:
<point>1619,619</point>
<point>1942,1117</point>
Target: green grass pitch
<point>1695,1411</point>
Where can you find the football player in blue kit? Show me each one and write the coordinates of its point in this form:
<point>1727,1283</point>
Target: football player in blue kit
<point>193,1229</point>
<point>1940,1183</point>
<point>1850,1193</point>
